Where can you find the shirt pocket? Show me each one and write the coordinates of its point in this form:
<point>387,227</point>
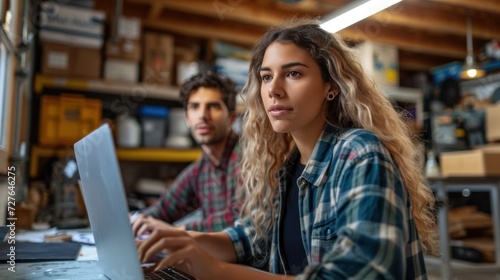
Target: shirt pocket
<point>324,235</point>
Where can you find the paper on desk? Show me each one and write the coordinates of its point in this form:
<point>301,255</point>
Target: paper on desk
<point>78,236</point>
<point>87,253</point>
<point>84,238</point>
<point>35,236</point>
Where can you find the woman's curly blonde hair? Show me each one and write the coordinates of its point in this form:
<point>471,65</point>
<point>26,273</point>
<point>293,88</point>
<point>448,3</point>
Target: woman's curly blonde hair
<point>360,104</point>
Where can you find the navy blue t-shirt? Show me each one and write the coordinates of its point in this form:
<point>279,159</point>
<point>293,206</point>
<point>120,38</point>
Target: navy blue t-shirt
<point>291,240</point>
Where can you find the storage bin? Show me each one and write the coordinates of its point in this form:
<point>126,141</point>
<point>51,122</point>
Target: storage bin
<point>154,125</point>
<point>67,118</point>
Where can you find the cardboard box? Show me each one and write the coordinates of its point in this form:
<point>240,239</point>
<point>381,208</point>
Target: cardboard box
<point>121,70</point>
<point>56,59</point>
<point>158,59</point>
<point>127,44</point>
<point>128,28</point>
<point>86,63</point>
<point>123,49</point>
<point>470,163</point>
<point>71,25</point>
<point>493,123</point>
<point>70,61</point>
<point>489,147</point>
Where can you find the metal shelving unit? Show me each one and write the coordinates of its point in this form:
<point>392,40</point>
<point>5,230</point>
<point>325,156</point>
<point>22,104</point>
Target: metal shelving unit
<point>143,90</point>
<point>123,154</point>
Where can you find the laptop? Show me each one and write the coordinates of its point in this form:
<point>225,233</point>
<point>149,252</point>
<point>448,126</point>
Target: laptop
<point>104,196</point>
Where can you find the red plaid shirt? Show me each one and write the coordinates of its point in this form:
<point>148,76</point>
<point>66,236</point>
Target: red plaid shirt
<point>204,185</point>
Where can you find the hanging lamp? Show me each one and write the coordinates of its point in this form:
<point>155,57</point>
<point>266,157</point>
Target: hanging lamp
<point>470,70</point>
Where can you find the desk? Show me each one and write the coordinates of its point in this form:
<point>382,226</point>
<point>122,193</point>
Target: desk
<point>68,270</point>
<point>474,184</point>
<point>84,268</point>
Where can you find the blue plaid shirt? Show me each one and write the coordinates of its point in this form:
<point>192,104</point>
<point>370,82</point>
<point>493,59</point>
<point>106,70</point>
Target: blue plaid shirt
<point>356,217</point>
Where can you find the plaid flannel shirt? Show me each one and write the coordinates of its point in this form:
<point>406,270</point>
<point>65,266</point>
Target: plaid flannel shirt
<point>356,220</point>
<point>204,185</point>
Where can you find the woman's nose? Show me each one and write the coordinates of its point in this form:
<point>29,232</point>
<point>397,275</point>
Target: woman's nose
<point>275,89</point>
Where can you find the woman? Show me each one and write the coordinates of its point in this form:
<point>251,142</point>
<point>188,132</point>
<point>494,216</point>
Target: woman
<point>334,187</point>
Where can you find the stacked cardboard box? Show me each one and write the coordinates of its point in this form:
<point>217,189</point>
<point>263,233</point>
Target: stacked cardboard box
<point>492,123</point>
<point>480,162</point>
<point>158,59</point>
<point>123,52</point>
<point>71,40</point>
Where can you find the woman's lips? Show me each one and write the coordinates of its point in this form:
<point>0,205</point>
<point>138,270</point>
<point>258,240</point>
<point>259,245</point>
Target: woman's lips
<point>279,110</point>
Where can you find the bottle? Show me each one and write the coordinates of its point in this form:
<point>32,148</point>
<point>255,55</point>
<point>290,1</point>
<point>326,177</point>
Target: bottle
<point>431,166</point>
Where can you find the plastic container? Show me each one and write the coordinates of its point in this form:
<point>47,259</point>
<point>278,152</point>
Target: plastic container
<point>178,131</point>
<point>67,118</point>
<point>154,124</point>
<point>129,132</point>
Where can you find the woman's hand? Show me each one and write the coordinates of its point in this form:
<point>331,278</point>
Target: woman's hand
<point>183,252</point>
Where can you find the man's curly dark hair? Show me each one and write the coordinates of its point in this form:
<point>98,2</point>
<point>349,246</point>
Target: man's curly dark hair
<point>210,80</point>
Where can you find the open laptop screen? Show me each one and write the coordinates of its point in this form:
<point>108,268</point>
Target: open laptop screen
<point>104,197</point>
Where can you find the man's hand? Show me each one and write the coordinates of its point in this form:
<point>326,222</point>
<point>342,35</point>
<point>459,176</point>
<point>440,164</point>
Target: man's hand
<point>145,224</point>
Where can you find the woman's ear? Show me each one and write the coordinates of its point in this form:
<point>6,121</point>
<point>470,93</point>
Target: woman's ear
<point>332,92</point>
<point>334,88</point>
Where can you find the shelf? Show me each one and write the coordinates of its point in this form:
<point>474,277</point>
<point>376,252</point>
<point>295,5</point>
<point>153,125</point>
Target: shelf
<point>158,154</point>
<point>141,90</point>
<point>123,154</point>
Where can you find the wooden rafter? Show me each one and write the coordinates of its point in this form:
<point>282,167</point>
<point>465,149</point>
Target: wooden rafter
<point>491,6</point>
<point>420,27</point>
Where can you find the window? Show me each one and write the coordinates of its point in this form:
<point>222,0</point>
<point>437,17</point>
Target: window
<point>3,93</point>
<point>4,87</point>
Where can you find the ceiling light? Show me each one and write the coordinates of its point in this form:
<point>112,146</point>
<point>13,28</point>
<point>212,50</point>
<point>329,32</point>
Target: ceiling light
<point>354,12</point>
<point>470,70</point>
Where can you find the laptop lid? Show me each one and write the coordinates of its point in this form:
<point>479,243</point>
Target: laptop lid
<point>104,196</point>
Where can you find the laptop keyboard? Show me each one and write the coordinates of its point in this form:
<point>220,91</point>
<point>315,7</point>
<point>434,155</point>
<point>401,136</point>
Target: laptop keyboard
<point>169,273</point>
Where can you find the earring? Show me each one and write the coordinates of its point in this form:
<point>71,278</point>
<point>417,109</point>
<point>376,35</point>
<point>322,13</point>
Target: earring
<point>330,96</point>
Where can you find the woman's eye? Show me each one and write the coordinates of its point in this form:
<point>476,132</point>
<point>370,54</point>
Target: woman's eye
<point>266,78</point>
<point>293,74</point>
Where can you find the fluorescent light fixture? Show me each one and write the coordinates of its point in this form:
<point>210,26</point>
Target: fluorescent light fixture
<point>354,12</point>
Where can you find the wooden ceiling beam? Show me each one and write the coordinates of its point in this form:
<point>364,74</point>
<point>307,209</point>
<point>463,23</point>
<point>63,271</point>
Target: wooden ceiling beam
<point>155,11</point>
<point>411,14</point>
<point>240,11</point>
<point>245,22</point>
<point>248,36</point>
<point>420,43</point>
<point>221,31</point>
<point>433,18</point>
<point>491,6</point>
<point>420,62</point>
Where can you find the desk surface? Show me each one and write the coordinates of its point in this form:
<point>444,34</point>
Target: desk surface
<point>84,268</point>
<point>69,270</point>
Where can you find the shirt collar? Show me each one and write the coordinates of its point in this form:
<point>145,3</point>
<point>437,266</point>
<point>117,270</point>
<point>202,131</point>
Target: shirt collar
<point>232,141</point>
<point>316,170</point>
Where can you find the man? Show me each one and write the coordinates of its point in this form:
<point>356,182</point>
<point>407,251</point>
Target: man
<point>210,183</point>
